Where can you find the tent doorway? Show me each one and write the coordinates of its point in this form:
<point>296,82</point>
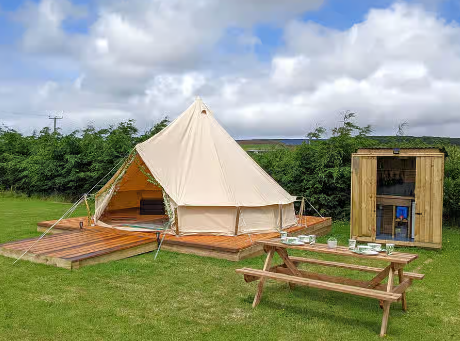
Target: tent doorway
<point>136,203</point>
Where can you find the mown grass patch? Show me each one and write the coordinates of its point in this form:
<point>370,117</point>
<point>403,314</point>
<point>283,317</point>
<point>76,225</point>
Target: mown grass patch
<point>182,297</point>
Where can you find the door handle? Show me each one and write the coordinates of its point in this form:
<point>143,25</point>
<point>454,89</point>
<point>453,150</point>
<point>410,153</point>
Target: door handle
<point>418,213</point>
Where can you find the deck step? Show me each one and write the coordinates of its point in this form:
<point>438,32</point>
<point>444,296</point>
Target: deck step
<point>76,249</point>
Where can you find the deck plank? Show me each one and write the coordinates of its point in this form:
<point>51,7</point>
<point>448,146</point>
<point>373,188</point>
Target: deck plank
<point>109,244</point>
<point>81,248</point>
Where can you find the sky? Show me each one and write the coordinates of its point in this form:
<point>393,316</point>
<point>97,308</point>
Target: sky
<point>266,68</point>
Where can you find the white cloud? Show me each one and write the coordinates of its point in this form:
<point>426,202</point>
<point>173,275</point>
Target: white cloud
<point>43,26</point>
<point>45,90</point>
<point>145,59</point>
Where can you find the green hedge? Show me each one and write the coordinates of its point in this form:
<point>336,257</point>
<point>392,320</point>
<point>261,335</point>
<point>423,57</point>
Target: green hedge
<point>48,163</point>
<point>321,170</point>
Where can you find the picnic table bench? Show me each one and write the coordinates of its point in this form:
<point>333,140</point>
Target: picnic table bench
<point>386,293</point>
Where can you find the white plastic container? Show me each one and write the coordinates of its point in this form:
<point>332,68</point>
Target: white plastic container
<point>283,236</point>
<point>362,248</point>
<point>375,246</point>
<point>351,244</point>
<point>292,240</point>
<point>332,243</point>
<point>304,238</point>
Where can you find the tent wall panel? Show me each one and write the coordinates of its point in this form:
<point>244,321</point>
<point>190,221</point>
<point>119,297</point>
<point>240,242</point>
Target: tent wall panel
<point>221,220</point>
<point>265,219</point>
<point>215,220</point>
<point>289,217</point>
<point>258,219</point>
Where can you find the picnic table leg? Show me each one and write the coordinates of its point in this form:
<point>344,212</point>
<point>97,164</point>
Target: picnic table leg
<point>403,297</point>
<point>290,264</point>
<point>378,279</point>
<point>390,278</point>
<point>386,314</point>
<point>260,286</point>
<point>387,304</point>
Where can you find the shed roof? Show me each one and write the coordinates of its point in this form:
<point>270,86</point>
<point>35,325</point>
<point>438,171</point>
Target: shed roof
<point>385,151</point>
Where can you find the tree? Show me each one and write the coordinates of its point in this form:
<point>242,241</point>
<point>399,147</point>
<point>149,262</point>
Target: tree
<point>159,126</point>
<point>320,171</point>
<point>47,163</point>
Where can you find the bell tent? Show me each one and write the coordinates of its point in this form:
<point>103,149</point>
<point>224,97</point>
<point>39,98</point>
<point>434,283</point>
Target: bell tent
<point>194,174</point>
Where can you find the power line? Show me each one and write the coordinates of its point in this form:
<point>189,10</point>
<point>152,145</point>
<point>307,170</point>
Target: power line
<point>21,114</point>
<point>55,118</point>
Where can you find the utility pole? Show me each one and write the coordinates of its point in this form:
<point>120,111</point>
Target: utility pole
<point>55,118</point>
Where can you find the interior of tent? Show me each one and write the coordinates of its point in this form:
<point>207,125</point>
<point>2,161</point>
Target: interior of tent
<point>136,202</point>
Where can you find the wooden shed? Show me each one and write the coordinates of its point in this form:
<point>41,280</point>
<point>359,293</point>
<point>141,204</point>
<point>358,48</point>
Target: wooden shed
<point>397,195</point>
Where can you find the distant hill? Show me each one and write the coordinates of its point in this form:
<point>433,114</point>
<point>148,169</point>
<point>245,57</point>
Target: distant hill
<point>288,142</point>
<point>426,139</point>
<point>256,143</point>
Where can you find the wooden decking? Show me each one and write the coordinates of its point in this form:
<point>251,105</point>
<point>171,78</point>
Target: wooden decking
<point>70,247</point>
<point>236,248</point>
<point>77,248</point>
<point>232,248</point>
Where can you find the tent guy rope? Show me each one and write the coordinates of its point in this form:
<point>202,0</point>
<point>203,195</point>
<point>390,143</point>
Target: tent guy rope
<point>71,209</point>
<point>314,208</point>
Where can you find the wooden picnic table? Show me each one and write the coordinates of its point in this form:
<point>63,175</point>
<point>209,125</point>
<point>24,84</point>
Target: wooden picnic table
<point>288,272</point>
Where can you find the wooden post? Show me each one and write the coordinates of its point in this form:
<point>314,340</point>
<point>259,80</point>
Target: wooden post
<point>409,216</point>
<point>176,221</point>
<point>301,210</point>
<point>88,211</point>
<point>394,213</point>
<point>237,220</point>
<point>281,216</point>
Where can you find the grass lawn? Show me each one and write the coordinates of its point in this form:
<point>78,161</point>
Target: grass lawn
<point>182,297</point>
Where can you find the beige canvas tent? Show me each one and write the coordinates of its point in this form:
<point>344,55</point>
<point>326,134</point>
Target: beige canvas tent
<point>197,176</point>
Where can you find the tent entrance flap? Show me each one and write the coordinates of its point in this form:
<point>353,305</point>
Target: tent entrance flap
<point>132,200</point>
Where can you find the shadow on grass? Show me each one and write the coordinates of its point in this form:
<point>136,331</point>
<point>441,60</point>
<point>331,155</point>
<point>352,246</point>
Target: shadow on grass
<point>348,303</point>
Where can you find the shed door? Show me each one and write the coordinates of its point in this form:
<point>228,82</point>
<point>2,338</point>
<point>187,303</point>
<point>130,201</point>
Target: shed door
<point>428,199</point>
<point>363,196</point>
